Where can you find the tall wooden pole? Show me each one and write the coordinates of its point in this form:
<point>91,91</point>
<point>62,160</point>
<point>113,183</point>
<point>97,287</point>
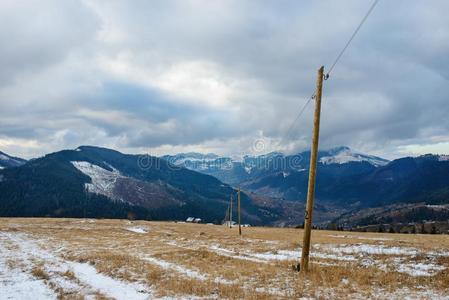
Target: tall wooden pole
<point>230,213</point>
<point>238,204</point>
<point>312,173</point>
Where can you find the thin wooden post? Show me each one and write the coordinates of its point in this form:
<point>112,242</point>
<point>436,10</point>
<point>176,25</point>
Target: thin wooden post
<point>238,203</point>
<point>312,174</point>
<point>230,213</point>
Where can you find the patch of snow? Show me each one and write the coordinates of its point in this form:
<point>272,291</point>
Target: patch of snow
<point>407,294</point>
<point>107,285</point>
<point>437,206</point>
<point>337,236</point>
<point>278,255</point>
<point>88,283</point>
<point>281,255</point>
<point>17,284</point>
<point>4,157</point>
<point>137,229</point>
<point>171,266</point>
<point>229,253</point>
<point>248,169</point>
<point>370,249</point>
<point>360,237</point>
<point>296,255</point>
<point>345,155</point>
<point>374,238</point>
<point>9,159</point>
<point>443,157</point>
<point>103,181</point>
<point>419,269</point>
<point>333,256</point>
<point>271,291</point>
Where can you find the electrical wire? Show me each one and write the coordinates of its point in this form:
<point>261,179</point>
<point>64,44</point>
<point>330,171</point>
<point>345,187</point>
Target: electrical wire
<point>352,36</point>
<point>297,118</point>
<point>337,59</point>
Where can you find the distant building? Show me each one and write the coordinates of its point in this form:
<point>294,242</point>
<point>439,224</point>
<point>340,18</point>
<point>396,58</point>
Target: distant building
<point>193,220</point>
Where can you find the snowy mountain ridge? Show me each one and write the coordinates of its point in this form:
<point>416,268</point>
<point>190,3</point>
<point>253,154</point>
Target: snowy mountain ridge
<point>198,161</point>
<point>342,155</point>
<point>7,161</point>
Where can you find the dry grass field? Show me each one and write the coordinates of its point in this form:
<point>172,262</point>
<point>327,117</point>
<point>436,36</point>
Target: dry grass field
<point>119,259</point>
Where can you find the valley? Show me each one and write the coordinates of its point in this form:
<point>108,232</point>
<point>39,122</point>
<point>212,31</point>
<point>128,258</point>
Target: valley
<point>352,189</point>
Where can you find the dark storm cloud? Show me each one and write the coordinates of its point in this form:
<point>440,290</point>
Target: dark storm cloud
<point>151,118</point>
<point>146,74</point>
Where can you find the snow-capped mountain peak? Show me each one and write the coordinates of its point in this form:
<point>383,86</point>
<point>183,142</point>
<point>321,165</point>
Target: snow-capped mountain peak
<point>183,158</point>
<point>342,155</point>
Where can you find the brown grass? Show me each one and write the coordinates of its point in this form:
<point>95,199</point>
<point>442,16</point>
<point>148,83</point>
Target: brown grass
<point>69,275</point>
<point>39,272</point>
<point>118,253</point>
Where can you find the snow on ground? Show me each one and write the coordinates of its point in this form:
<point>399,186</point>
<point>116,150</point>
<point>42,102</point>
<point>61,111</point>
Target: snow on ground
<point>171,266</point>
<point>358,253</point>
<point>103,181</point>
<point>26,253</point>
<point>137,229</point>
<point>266,257</point>
<point>183,270</point>
<point>17,279</point>
<point>363,249</point>
<point>107,285</point>
<point>14,282</point>
<point>230,253</point>
<point>359,237</point>
<point>419,269</point>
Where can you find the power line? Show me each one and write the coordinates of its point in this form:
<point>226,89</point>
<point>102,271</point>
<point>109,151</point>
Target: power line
<point>332,66</point>
<point>297,118</point>
<point>352,36</point>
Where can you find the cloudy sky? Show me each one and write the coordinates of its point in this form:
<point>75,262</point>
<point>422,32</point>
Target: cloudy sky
<point>221,76</point>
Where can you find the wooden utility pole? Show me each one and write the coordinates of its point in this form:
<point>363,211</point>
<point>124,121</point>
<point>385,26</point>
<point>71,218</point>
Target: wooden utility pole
<point>312,173</point>
<point>238,204</point>
<point>86,189</point>
<point>230,213</point>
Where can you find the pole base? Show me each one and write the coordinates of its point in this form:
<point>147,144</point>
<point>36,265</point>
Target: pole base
<point>296,267</point>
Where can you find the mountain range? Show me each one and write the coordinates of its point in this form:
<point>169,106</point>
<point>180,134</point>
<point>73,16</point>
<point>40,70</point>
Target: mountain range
<point>98,182</point>
<point>278,175</point>
<point>347,182</point>
<point>352,188</point>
